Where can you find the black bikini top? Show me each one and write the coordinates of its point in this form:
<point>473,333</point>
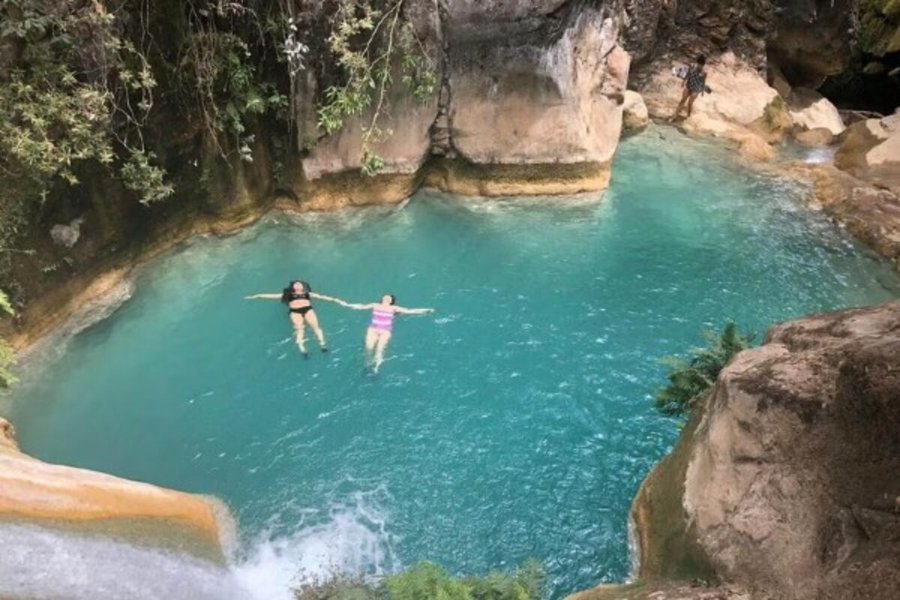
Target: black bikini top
<point>301,296</point>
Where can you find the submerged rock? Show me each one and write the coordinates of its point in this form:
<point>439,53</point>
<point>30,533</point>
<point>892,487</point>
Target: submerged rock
<point>57,496</point>
<point>817,137</point>
<point>785,481</point>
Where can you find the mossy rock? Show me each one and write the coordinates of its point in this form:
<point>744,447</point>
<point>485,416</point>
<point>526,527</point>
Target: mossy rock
<point>879,30</point>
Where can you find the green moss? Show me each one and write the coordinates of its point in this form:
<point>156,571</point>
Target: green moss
<point>776,115</point>
<point>879,29</point>
<point>670,546</point>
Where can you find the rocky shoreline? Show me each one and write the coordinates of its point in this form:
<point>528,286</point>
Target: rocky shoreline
<point>783,483</point>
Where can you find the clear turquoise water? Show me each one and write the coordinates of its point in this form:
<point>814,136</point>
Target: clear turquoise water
<point>515,422</point>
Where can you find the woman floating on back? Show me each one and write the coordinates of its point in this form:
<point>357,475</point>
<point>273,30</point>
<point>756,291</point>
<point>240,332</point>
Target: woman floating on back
<point>297,296</point>
<point>379,332</point>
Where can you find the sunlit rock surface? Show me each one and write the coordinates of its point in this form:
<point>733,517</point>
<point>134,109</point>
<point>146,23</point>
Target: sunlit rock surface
<point>785,482</point>
<point>32,491</point>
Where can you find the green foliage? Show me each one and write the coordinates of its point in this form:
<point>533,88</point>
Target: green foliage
<point>690,378</point>
<point>142,176</point>
<point>5,305</point>
<point>527,583</point>
<point>77,92</point>
<point>217,71</point>
<point>370,43</point>
<point>426,581</point>
<point>879,26</point>
<point>7,356</point>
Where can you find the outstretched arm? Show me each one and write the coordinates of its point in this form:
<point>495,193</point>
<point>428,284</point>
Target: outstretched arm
<point>263,296</point>
<point>325,298</point>
<point>355,306</point>
<point>413,311</point>
<point>341,302</point>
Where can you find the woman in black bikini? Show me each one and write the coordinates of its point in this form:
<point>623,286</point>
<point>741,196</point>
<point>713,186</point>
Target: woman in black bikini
<point>297,297</point>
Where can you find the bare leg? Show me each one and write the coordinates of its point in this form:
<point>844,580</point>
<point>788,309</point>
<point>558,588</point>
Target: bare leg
<point>299,332</point>
<point>690,104</point>
<point>383,338</point>
<point>369,348</point>
<point>313,321</point>
<point>684,98</point>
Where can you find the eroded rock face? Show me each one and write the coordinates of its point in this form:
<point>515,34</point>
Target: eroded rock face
<point>527,104</point>
<point>660,33</point>
<point>522,83</point>
<point>36,492</point>
<point>811,39</point>
<point>788,482</point>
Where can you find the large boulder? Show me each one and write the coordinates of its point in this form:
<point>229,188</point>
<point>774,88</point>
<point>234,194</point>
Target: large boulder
<point>739,95</point>
<point>870,150</point>
<point>785,481</point>
<point>635,115</point>
<point>811,110</point>
<point>741,107</point>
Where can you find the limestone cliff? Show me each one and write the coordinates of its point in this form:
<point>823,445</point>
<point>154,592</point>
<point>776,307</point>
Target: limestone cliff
<point>58,496</point>
<point>522,85</point>
<point>785,483</point>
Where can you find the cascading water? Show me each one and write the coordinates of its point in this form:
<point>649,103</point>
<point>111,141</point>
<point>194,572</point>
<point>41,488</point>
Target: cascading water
<point>515,422</point>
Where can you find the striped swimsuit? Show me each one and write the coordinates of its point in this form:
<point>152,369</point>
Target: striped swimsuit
<point>382,320</point>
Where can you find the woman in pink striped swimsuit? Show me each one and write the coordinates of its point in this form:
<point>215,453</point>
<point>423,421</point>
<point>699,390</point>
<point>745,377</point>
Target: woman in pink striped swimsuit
<point>379,333</point>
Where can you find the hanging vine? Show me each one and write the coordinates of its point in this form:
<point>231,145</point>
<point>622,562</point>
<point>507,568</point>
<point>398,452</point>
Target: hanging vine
<point>370,45</point>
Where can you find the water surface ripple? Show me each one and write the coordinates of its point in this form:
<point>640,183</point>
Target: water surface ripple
<point>515,422</point>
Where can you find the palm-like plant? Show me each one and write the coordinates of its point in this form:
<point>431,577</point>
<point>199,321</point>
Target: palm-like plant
<point>689,378</point>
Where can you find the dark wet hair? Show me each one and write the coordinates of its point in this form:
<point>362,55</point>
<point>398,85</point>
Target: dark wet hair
<point>393,299</point>
<point>287,292</point>
<point>701,59</point>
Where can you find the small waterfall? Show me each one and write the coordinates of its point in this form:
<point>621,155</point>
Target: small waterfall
<point>51,564</point>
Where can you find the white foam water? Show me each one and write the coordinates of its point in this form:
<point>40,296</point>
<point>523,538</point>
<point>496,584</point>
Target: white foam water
<point>38,562</point>
<point>56,565</point>
<point>353,541</point>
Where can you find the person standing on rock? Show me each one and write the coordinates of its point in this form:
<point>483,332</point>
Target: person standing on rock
<point>694,84</point>
<point>300,310</point>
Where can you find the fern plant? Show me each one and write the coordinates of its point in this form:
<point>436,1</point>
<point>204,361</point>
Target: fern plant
<point>689,378</point>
